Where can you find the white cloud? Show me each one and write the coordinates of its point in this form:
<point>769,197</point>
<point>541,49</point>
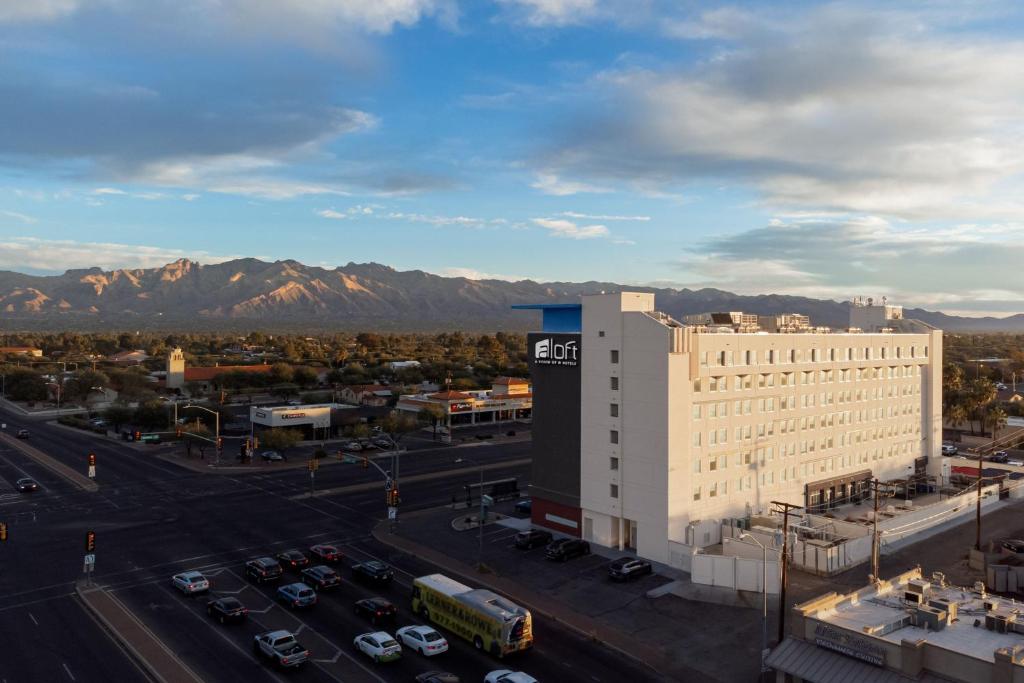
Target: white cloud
<point>473,274</point>
<point>460,221</point>
<point>33,253</point>
<point>108,191</point>
<point>603,217</point>
<point>331,213</point>
<point>898,118</point>
<point>550,183</point>
<point>562,228</point>
<point>36,10</point>
<point>23,218</point>
<point>960,267</point>
<point>553,12</point>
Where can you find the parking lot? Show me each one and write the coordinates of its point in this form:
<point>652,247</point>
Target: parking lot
<point>698,640</point>
<point>327,629</point>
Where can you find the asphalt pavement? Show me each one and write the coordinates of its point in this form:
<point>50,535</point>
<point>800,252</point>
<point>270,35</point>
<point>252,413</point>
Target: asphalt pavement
<point>153,518</point>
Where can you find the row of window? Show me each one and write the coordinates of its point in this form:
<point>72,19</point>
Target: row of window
<point>831,355</point>
<point>718,437</point>
<point>720,409</point>
<point>766,455</point>
<point>804,378</point>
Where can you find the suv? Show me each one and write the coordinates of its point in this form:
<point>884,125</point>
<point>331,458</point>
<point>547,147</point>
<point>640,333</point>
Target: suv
<point>999,456</point>
<point>321,577</point>
<point>22,434</point>
<point>296,595</point>
<point>373,572</point>
<point>567,548</point>
<point>263,569</point>
<point>532,538</point>
<point>376,610</point>
<point>626,568</point>
<point>949,449</point>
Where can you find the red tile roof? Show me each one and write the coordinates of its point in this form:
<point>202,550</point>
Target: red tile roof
<point>206,374</point>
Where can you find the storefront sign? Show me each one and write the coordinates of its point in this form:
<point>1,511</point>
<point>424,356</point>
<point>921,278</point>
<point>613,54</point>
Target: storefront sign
<point>556,351</point>
<point>849,644</point>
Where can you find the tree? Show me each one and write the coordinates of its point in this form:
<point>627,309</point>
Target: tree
<point>280,439</point>
<point>281,373</point>
<point>432,414</point>
<point>397,424</point>
<point>304,377</point>
<point>23,384</point>
<point>151,415</point>
<point>996,419</point>
<point>118,415</point>
<point>81,385</point>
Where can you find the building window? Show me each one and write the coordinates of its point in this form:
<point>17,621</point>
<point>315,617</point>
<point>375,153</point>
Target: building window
<point>614,490</point>
<point>696,493</point>
<point>613,464</point>
<point>614,409</point>
<point>615,355</point>
<point>696,410</point>
<point>615,383</point>
<point>600,333</point>
<point>613,435</point>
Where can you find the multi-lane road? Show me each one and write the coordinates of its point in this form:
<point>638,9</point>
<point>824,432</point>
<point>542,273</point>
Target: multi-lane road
<point>153,518</point>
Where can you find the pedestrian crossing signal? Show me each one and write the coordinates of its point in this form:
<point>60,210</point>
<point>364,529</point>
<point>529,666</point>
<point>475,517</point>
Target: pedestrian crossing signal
<point>92,460</point>
<point>3,531</point>
<point>90,541</point>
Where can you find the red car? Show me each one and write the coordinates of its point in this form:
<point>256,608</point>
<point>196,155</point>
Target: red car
<point>326,553</point>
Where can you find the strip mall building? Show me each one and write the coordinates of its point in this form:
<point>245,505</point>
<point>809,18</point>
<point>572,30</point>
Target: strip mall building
<point>644,426</point>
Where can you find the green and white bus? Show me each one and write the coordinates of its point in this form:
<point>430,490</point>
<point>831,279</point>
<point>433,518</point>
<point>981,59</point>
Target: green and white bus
<point>484,618</point>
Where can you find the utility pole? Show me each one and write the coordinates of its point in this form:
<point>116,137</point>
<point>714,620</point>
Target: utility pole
<point>876,487</point>
<point>977,538</point>
<point>784,579</point>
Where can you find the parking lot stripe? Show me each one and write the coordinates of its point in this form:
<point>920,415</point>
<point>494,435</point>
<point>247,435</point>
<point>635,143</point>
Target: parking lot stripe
<point>68,670</point>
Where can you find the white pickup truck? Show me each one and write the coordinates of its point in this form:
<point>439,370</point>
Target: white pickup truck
<point>281,647</point>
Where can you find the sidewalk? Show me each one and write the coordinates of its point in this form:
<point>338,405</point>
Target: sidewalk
<point>157,659</point>
<point>541,604</point>
<point>60,469</point>
<point>44,412</point>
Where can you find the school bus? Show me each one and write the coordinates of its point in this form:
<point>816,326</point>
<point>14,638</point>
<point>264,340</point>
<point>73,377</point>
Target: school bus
<point>484,618</point>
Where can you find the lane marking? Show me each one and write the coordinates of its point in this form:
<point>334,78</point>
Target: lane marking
<point>70,675</point>
<point>33,618</point>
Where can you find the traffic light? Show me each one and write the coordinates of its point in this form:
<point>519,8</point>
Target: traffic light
<point>178,431</point>
<point>90,541</point>
<point>366,462</point>
<point>255,442</point>
<point>220,443</point>
<point>393,498</point>
<point>3,531</point>
<point>138,436</point>
<point>92,460</point>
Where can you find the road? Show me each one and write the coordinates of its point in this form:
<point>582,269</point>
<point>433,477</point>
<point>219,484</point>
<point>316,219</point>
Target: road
<point>153,518</point>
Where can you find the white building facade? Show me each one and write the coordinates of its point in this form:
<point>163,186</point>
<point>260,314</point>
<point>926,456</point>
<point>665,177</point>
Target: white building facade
<point>679,426</point>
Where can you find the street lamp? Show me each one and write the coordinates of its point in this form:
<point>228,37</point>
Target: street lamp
<point>764,592</point>
<point>216,415</point>
<point>480,517</point>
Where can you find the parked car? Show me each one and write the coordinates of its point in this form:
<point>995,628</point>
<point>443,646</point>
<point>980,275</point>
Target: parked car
<point>326,553</point>
<point>373,572</point>
<point>422,639</point>
<point>1015,463</point>
<point>383,442</point>
<point>532,538</point>
<point>999,456</point>
<point>321,577</point>
<point>23,434</point>
<point>375,609</point>
<point>626,568</point>
<point>524,506</point>
<point>263,569</point>
<point>271,456</point>
<point>293,559</point>
<point>1014,546</point>
<point>190,583</point>
<point>226,609</point>
<point>949,449</point>
<point>507,676</point>
<point>281,647</point>
<point>26,485</point>
<point>567,548</point>
<point>296,595</point>
<point>437,677</point>
<point>351,446</point>
<point>1000,386</point>
<point>379,646</point>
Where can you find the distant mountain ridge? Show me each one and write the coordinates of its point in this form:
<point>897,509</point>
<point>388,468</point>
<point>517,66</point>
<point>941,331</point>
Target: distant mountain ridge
<point>287,295</point>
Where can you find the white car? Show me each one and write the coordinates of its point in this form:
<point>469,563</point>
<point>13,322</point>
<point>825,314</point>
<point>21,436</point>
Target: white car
<point>507,676</point>
<point>422,639</point>
<point>190,583</point>
<point>378,646</point>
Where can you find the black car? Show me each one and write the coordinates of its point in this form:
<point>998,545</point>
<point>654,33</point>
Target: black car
<point>524,506</point>
<point>321,577</point>
<point>567,548</point>
<point>373,572</point>
<point>376,610</point>
<point>326,553</point>
<point>22,434</point>
<point>25,485</point>
<point>293,559</point>
<point>263,569</point>
<point>436,677</point>
<point>532,538</point>
<point>626,568</point>
<point>226,609</point>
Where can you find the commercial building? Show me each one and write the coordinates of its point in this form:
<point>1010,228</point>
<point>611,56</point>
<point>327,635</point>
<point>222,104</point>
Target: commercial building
<point>907,628</point>
<point>21,351</point>
<point>509,398</point>
<point>679,424</point>
<point>377,395</point>
<point>315,421</point>
<point>178,375</point>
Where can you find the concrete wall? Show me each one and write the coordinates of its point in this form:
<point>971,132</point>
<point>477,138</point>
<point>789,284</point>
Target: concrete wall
<point>738,573</point>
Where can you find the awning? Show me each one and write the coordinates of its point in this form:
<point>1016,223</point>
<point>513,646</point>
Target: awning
<point>818,665</point>
<point>839,481</point>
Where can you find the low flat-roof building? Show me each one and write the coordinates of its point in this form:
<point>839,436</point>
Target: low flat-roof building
<point>509,398</point>
<point>21,351</point>
<point>315,420</point>
<point>906,628</point>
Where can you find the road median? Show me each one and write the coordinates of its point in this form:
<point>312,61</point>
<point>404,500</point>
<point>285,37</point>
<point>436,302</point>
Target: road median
<point>142,643</point>
<point>49,462</point>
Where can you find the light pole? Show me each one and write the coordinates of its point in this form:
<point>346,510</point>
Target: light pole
<point>764,593</point>
<point>216,435</point>
<point>480,517</point>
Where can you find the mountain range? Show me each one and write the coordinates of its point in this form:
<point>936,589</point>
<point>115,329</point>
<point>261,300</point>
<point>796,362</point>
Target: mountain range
<point>249,293</point>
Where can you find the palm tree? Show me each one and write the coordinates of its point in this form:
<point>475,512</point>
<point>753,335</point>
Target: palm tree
<point>995,416</point>
<point>956,413</point>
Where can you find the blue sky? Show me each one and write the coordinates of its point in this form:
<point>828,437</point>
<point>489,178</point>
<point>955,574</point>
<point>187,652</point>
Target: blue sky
<point>823,149</point>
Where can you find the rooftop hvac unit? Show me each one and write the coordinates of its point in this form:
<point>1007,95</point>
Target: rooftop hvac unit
<point>918,586</point>
<point>990,604</point>
<point>950,607</point>
<point>979,588</point>
<point>929,618</point>
<point>1000,622</point>
<point>913,597</point>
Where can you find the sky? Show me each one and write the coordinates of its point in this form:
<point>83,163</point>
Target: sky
<point>829,150</point>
